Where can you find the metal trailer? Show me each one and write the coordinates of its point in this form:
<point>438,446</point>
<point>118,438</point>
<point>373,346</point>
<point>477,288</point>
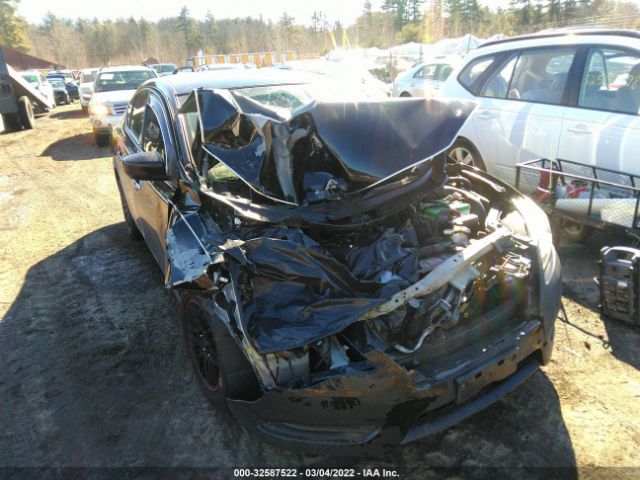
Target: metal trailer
<point>17,99</point>
<point>582,196</point>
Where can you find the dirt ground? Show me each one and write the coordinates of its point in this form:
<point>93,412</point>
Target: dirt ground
<point>93,371</point>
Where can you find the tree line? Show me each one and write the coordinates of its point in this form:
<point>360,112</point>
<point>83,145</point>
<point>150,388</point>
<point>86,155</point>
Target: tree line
<point>87,42</point>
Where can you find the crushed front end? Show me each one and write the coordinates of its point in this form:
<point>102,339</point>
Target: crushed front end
<point>376,317</point>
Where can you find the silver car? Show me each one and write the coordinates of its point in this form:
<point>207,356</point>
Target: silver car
<point>424,79</point>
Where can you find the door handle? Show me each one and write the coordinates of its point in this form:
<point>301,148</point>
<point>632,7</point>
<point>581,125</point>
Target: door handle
<point>136,184</point>
<point>413,84</point>
<point>580,130</point>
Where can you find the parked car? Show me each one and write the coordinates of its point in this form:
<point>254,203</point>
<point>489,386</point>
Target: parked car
<point>114,87</point>
<point>85,84</point>
<point>334,300</point>
<point>69,82</point>
<point>164,68</point>
<point>67,75</point>
<point>185,68</point>
<point>60,91</point>
<point>39,82</point>
<point>562,94</point>
<point>425,79</point>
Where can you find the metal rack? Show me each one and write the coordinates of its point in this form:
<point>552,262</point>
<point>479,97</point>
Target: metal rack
<point>595,196</point>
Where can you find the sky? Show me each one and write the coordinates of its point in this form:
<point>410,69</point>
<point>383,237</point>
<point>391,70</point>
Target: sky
<point>344,10</point>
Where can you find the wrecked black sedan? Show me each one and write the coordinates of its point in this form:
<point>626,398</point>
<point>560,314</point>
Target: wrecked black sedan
<point>342,288</point>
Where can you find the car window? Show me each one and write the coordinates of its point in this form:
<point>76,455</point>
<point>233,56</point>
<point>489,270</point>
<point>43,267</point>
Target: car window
<point>541,75</point>
<point>30,78</point>
<point>497,84</point>
<point>152,140</point>
<point>611,81</point>
<point>472,72</point>
<point>443,72</point>
<point>135,113</point>
<point>427,72</point>
<point>87,77</point>
<point>127,80</point>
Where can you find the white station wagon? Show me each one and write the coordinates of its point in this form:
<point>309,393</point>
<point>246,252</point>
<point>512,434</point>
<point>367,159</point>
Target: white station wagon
<point>571,94</point>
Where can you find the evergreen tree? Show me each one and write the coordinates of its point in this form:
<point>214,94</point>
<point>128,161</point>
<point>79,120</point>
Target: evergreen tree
<point>12,27</point>
<point>192,39</point>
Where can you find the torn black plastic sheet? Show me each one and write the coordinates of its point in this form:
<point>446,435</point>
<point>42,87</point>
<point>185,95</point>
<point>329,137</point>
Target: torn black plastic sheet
<point>298,292</point>
<point>357,145</point>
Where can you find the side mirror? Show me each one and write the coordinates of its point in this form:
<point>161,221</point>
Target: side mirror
<point>145,166</point>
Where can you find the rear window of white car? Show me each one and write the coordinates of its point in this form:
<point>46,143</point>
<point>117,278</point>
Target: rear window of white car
<point>611,81</point>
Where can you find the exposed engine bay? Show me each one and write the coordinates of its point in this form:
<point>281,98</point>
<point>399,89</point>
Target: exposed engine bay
<point>311,302</point>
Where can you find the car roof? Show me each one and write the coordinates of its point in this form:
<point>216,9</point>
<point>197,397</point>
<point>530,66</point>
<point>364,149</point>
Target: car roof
<point>565,32</point>
<point>125,68</point>
<point>89,70</point>
<point>182,83</point>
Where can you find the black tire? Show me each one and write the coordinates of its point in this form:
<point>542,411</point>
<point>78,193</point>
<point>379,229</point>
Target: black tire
<point>132,228</point>
<point>575,232</point>
<point>102,139</point>
<point>11,122</point>
<point>463,151</point>
<point>405,94</point>
<point>221,369</point>
<point>25,112</point>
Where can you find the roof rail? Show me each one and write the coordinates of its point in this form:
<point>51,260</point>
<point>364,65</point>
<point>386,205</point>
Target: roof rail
<point>563,32</point>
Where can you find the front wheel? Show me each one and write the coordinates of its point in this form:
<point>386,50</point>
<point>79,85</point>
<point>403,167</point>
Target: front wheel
<point>220,367</point>
<point>463,151</point>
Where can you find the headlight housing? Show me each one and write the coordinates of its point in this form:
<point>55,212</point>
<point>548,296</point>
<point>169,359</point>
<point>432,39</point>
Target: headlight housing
<point>538,228</point>
<point>99,109</point>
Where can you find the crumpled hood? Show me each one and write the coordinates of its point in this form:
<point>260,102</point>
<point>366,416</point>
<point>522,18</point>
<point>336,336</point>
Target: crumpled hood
<point>322,147</point>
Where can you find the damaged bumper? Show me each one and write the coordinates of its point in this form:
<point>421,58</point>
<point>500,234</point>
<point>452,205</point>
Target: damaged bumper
<point>369,414</point>
<point>388,403</point>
